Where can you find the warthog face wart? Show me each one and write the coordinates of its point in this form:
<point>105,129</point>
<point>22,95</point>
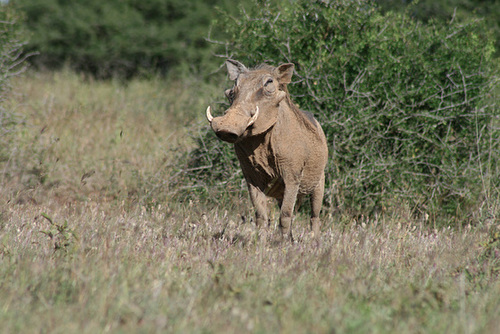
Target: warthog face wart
<point>282,150</point>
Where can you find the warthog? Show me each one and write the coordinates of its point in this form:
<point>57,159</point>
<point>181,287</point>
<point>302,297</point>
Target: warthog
<point>282,150</point>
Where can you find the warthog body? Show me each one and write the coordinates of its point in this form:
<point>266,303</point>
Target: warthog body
<point>282,150</point>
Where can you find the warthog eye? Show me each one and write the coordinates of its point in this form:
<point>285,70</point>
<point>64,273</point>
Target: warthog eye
<point>269,88</point>
<point>229,94</point>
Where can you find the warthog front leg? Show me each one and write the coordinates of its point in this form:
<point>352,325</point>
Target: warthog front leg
<point>259,201</point>
<point>287,209</point>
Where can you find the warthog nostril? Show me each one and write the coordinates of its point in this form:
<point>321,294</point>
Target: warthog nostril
<point>227,136</point>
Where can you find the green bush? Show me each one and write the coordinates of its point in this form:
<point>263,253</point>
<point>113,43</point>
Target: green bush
<point>407,107</point>
<point>426,10</point>
<point>119,37</point>
<point>12,63</point>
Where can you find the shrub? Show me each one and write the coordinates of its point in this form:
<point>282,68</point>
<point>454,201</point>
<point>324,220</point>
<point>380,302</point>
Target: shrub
<point>12,63</point>
<point>426,10</point>
<point>407,107</point>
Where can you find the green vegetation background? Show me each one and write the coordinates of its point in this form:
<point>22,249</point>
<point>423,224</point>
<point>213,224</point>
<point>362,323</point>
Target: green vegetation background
<point>126,37</point>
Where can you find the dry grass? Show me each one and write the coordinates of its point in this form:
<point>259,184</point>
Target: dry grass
<point>83,138</point>
<point>84,255</point>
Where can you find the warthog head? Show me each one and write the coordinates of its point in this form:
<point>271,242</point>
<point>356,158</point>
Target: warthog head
<point>254,100</point>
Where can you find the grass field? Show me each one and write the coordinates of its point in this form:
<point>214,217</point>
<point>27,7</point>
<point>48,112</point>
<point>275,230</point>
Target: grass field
<point>81,252</point>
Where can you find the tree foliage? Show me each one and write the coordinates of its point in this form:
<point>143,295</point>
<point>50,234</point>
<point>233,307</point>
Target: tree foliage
<point>119,37</point>
<point>407,106</point>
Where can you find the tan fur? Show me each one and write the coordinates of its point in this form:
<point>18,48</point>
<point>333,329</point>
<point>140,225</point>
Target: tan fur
<point>284,153</point>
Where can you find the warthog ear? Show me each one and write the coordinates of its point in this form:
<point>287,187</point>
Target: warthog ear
<point>235,68</point>
<point>284,73</point>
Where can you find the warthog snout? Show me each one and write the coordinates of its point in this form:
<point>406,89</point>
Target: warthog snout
<point>232,125</point>
<point>230,137</point>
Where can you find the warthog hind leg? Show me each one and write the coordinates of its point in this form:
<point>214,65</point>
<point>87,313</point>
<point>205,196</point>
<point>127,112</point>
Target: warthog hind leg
<point>316,202</point>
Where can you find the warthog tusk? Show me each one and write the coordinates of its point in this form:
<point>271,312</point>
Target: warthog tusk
<point>254,117</point>
<point>209,115</point>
